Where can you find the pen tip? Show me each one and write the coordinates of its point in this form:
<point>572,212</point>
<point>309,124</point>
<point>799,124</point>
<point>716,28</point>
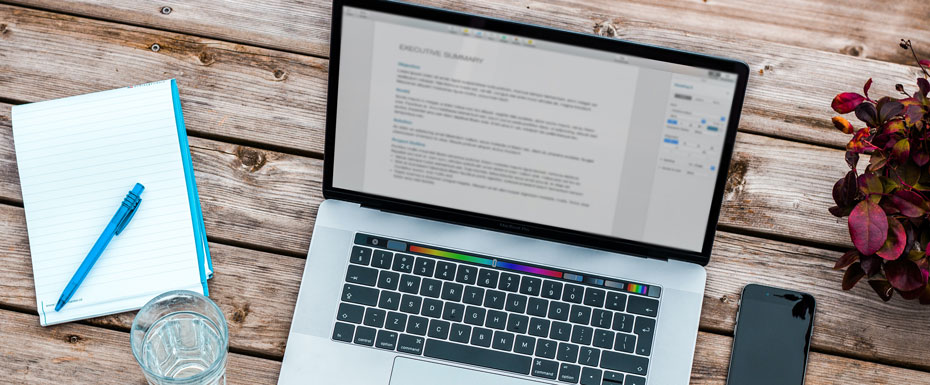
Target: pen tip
<point>59,305</point>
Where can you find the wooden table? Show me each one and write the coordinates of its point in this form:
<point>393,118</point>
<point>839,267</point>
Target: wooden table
<point>252,77</point>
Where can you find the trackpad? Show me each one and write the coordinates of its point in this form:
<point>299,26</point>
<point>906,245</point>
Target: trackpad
<point>415,372</point>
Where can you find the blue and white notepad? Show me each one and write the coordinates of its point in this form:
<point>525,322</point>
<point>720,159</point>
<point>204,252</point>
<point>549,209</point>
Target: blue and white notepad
<point>77,158</point>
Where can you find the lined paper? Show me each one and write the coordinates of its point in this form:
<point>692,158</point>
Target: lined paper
<point>78,157</point>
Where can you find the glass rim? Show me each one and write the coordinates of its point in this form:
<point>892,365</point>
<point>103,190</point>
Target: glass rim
<point>224,329</point>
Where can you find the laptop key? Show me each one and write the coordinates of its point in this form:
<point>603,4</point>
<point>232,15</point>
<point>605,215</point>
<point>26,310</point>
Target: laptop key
<point>572,293</point>
<point>546,348</point>
<point>424,267</point>
<point>403,263</point>
<point>516,303</point>
<point>603,339</point>
<point>518,323</point>
<point>460,333</point>
<point>396,321</point>
<point>453,312</point>
<point>530,285</point>
<point>503,341</point>
<point>594,297</point>
<point>539,327</point>
<point>350,313</point>
<point>601,318</point>
<point>386,340</point>
<point>431,308</point>
<point>487,278</point>
<point>381,259</point>
<point>567,352</point>
<point>589,356</point>
<point>613,378</point>
<point>615,301</point>
<point>537,307</point>
<point>559,310</point>
<point>509,282</point>
<point>545,368</point>
<point>494,299</point>
<point>409,284</point>
<point>452,291</point>
<point>388,280</point>
<point>481,337</point>
<point>644,330</point>
<point>343,332</point>
<point>625,342</point>
<point>471,355</point>
<point>438,329</point>
<point>473,295</point>
<point>364,336</point>
<point>569,373</point>
<point>417,325</point>
<point>361,275</point>
<point>524,345</point>
<point>642,306</point>
<point>467,274</point>
<point>624,362</point>
<point>496,320</point>
<point>582,334</point>
<point>390,300</point>
<point>360,255</point>
<point>580,315</point>
<point>407,343</point>
<point>474,315</point>
<point>623,322</point>
<point>590,376</point>
<point>360,294</point>
<point>552,289</point>
<point>445,270</point>
<point>375,317</point>
<point>410,304</point>
<point>431,288</point>
<point>560,331</point>
<point>635,380</point>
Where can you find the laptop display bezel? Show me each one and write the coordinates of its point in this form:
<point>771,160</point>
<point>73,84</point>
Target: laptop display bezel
<point>491,222</point>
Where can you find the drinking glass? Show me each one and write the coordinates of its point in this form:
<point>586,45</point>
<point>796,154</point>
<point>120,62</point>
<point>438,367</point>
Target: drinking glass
<point>181,338</point>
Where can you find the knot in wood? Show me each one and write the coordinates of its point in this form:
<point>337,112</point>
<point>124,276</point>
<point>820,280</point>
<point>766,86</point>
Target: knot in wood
<point>250,158</point>
<point>206,58</point>
<point>280,75</point>
<point>240,314</point>
<point>165,10</point>
<point>853,50</point>
<point>2,29</point>
<point>606,28</point>
<point>155,47</point>
<point>73,339</point>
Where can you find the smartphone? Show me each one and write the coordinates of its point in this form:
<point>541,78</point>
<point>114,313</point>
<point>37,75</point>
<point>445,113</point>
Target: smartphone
<point>772,337</point>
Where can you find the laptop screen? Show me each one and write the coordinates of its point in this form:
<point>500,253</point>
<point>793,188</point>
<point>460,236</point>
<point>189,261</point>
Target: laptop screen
<point>531,130</point>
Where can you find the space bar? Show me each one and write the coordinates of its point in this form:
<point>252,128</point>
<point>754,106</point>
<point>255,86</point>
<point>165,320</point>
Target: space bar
<point>487,358</point>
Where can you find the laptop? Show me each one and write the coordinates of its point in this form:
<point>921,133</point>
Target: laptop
<point>510,204</point>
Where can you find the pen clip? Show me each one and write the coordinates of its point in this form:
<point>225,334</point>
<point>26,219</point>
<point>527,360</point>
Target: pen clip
<point>132,201</point>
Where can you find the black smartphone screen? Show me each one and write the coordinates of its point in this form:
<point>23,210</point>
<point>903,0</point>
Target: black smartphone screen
<point>773,333</point>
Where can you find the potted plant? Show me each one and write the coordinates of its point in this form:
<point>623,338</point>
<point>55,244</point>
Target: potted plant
<point>888,202</point>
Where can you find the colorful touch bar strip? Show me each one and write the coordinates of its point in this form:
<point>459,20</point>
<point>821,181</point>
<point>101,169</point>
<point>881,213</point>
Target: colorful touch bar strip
<point>451,255</point>
<point>636,288</point>
<point>530,269</point>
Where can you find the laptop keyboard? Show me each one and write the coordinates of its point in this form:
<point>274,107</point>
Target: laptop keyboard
<point>489,312</point>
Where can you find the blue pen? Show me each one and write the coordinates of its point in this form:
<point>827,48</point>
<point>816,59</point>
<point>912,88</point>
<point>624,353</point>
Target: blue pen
<point>116,226</point>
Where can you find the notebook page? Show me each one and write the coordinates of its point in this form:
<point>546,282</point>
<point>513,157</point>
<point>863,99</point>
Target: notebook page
<point>78,157</point>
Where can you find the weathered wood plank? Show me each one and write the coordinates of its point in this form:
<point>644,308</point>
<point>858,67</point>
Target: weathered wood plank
<point>853,323</point>
<point>860,28</point>
<point>81,354</point>
<point>228,90</point>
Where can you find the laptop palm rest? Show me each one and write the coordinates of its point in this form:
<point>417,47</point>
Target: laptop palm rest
<point>409,371</point>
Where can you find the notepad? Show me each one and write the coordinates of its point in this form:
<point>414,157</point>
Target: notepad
<point>77,159</point>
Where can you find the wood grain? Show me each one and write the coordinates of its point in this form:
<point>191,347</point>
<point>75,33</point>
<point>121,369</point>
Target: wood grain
<point>231,91</point>
<point>859,28</point>
<point>81,354</point>
<point>227,90</point>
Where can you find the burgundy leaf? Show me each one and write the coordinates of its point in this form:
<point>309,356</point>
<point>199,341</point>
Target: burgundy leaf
<point>925,62</point>
<point>871,186</point>
<point>847,102</point>
<point>883,288</point>
<point>871,265</point>
<point>865,89</point>
<point>913,114</point>
<point>859,143</point>
<point>920,157</point>
<point>852,159</point>
<point>852,276</point>
<point>902,150</point>
<point>924,265</point>
<point>847,259</point>
<point>845,191</point>
<point>868,227</point>
<point>924,85</point>
<point>894,126</point>
<point>877,161</point>
<point>912,294</point>
<point>867,113</point>
<point>894,244</point>
<point>840,212</point>
<point>910,204</point>
<point>904,275</point>
<point>888,108</point>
